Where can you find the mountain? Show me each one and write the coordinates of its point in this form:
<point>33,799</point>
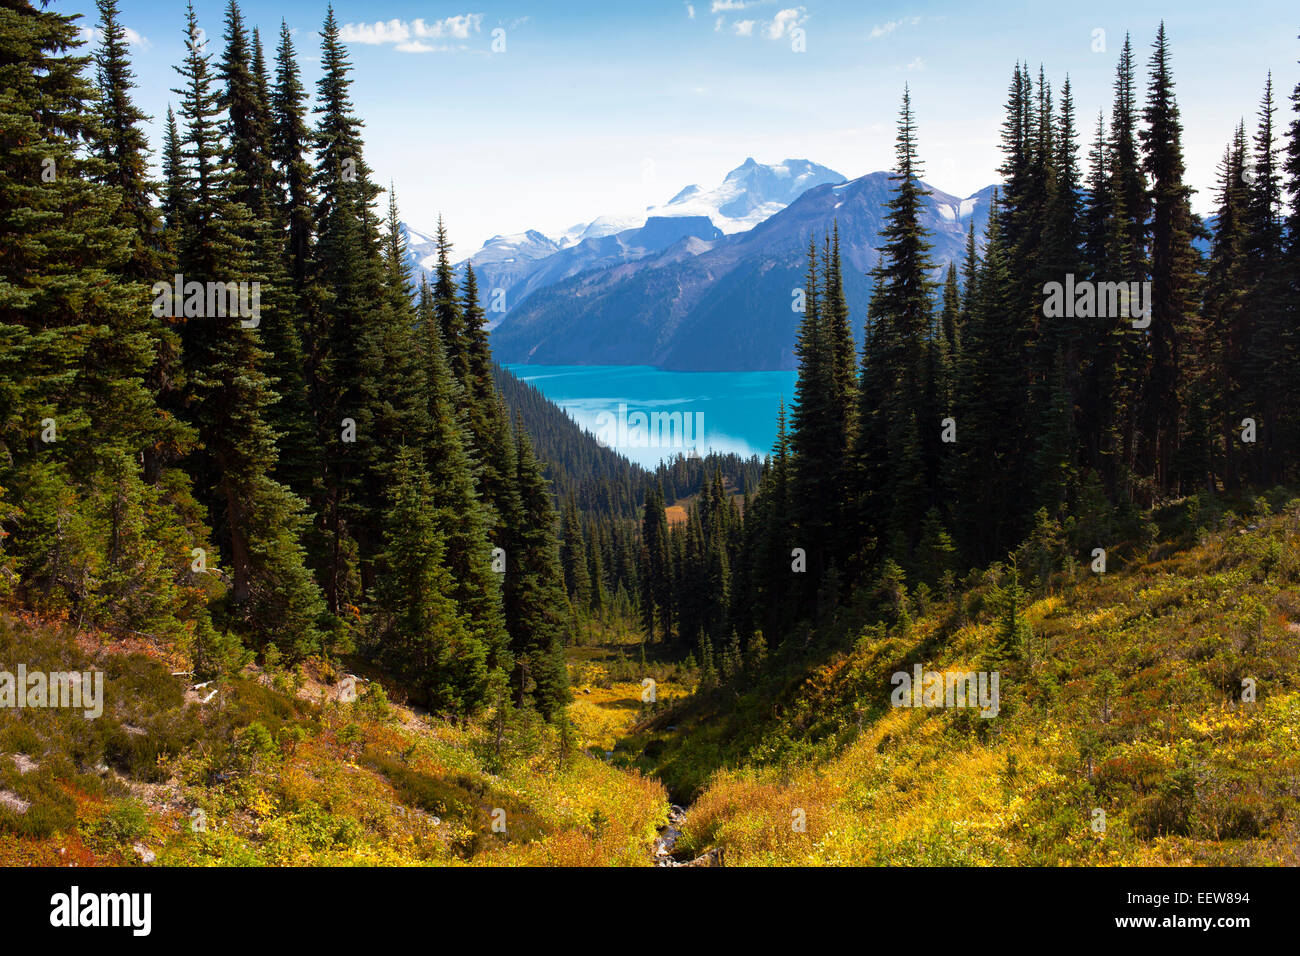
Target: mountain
<point>503,262</point>
<point>522,263</point>
<point>723,304</point>
<point>749,194</point>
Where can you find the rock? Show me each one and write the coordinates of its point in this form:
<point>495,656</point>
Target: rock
<point>663,848</point>
<point>662,851</point>
<point>712,857</point>
<point>145,854</point>
<point>14,802</point>
<point>24,763</point>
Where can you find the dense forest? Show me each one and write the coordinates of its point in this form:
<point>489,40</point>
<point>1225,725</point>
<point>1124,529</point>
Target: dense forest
<point>236,429</point>
<point>988,419</point>
<point>342,472</point>
<point>331,469</point>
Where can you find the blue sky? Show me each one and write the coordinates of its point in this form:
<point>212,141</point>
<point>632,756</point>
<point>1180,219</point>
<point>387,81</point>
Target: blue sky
<point>608,107</point>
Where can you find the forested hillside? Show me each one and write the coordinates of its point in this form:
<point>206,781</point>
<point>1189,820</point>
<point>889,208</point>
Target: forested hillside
<point>359,595</point>
<point>322,466</point>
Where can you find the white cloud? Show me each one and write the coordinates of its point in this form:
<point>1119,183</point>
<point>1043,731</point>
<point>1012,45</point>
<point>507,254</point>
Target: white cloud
<point>780,25</point>
<point>888,28</point>
<point>917,64</point>
<point>720,5</point>
<point>96,35</point>
<point>690,11</point>
<point>406,37</point>
<point>784,22</point>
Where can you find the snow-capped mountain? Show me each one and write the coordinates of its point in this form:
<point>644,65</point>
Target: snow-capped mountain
<point>724,304</point>
<point>502,254</point>
<point>522,263</point>
<point>749,194</point>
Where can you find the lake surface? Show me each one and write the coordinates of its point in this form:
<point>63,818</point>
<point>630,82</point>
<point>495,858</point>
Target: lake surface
<point>648,414</point>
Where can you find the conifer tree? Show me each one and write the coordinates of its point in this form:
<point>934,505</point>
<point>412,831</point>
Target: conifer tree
<point>120,143</point>
<point>1225,319</point>
<point>815,434</point>
<point>537,612</point>
<point>1060,340</point>
<point>656,567</point>
<point>988,397</point>
<point>1174,268</point>
<point>447,310</point>
<point>573,558</point>
<point>900,317</point>
<point>478,589</point>
<point>349,270</point>
<point>175,195</point>
<point>1263,350</point>
<point>84,532</point>
<point>1291,292</point>
<point>289,141</point>
<point>950,310</point>
<point>256,519</point>
<point>248,131</point>
<point>419,631</point>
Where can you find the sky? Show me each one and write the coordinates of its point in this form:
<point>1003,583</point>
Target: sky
<point>513,115</point>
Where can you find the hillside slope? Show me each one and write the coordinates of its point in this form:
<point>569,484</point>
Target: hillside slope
<point>278,767</point>
<point>1122,735</point>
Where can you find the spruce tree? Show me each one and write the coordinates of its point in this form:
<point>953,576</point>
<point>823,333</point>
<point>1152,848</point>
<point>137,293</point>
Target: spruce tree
<point>120,143</point>
<point>537,612</point>
<point>1223,307</point>
<point>256,519</point>
<point>1174,268</point>
<point>419,631</point>
<point>573,558</point>
<point>900,317</point>
<point>479,589</point>
<point>1263,350</point>
<point>85,533</point>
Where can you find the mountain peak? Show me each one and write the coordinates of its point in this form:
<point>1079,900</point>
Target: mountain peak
<point>743,168</point>
<point>686,193</point>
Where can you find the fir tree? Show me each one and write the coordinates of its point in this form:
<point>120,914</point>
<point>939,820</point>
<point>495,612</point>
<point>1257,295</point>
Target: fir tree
<point>256,519</point>
<point>419,631</point>
<point>1174,267</point>
<point>537,612</point>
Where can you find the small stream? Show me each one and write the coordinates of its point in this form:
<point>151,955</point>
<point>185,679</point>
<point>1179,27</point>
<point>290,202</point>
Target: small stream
<point>667,840</point>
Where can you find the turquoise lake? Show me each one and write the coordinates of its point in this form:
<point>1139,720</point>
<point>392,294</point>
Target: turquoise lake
<point>648,414</point>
